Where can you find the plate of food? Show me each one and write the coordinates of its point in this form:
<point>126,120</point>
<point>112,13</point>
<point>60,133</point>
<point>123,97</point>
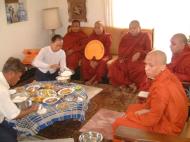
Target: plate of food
<point>62,106</point>
<point>45,93</point>
<point>32,89</point>
<point>65,91</point>
<point>50,100</point>
<point>37,99</point>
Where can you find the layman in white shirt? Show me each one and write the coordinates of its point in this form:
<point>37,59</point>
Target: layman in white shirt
<point>50,60</point>
<point>10,75</point>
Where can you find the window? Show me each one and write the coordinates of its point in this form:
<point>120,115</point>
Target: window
<point>166,17</point>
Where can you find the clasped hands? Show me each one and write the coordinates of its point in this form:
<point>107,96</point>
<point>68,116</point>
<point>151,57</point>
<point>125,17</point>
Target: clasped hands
<point>135,57</point>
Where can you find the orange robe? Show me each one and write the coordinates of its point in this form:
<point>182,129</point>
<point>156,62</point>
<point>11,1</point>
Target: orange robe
<point>129,72</point>
<point>76,42</point>
<point>86,70</point>
<point>180,64</point>
<point>168,107</point>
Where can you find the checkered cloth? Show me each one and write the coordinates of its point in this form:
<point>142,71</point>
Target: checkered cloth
<point>33,123</point>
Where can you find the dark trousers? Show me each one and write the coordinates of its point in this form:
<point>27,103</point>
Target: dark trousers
<point>40,76</point>
<point>7,133</point>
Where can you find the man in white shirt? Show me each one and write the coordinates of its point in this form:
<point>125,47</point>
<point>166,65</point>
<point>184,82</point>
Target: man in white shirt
<point>12,71</point>
<point>50,60</point>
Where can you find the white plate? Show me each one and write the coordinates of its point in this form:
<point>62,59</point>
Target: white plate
<point>65,91</point>
<point>33,87</point>
<point>66,73</point>
<point>19,99</point>
<point>12,91</point>
<point>50,100</point>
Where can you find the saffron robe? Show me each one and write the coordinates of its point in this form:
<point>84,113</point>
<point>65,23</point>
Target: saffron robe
<point>180,64</point>
<point>129,72</point>
<point>168,107</point>
<point>76,42</point>
<point>87,71</point>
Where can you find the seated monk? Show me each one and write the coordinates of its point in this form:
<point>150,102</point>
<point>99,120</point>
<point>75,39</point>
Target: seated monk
<point>93,70</point>
<point>73,45</point>
<point>180,63</point>
<point>165,110</point>
<point>128,69</point>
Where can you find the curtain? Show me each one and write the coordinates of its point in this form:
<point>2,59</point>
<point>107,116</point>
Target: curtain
<point>108,13</point>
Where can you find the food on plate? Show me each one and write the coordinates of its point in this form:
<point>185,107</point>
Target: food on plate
<point>37,99</point>
<point>78,88</point>
<point>32,90</point>
<point>20,89</point>
<point>47,93</point>
<point>50,100</point>
<point>48,86</point>
<point>65,91</point>
<point>62,106</point>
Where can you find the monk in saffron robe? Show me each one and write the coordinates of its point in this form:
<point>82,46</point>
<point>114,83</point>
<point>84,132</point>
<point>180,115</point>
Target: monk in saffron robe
<point>73,45</point>
<point>129,67</point>
<point>165,110</point>
<point>180,63</point>
<point>93,70</point>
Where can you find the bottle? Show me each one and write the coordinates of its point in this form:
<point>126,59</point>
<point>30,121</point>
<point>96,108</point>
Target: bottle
<point>21,13</point>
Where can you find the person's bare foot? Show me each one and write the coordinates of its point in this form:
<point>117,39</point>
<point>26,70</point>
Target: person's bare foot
<point>88,82</point>
<point>95,83</point>
<point>133,88</point>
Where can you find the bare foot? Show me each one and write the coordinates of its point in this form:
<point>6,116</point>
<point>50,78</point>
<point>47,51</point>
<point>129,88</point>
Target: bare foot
<point>133,88</point>
<point>88,82</point>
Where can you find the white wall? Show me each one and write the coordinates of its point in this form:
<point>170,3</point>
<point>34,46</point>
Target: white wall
<point>29,34</point>
<point>95,11</point>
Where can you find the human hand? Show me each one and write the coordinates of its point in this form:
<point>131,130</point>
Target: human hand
<point>105,58</point>
<point>33,108</point>
<point>136,56</point>
<point>142,111</point>
<point>54,66</point>
<point>93,64</point>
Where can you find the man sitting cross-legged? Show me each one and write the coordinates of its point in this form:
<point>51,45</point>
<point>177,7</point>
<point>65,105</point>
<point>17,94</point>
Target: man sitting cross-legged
<point>165,110</point>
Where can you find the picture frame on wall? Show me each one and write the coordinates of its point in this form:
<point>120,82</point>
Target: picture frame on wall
<point>15,11</point>
<point>77,10</point>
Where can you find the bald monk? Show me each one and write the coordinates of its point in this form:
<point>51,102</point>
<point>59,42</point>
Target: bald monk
<point>180,63</point>
<point>73,44</point>
<point>165,110</point>
<point>93,71</point>
<point>129,67</point>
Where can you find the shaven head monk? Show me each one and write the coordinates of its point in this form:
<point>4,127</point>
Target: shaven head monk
<point>73,45</point>
<point>128,69</point>
<point>180,57</point>
<point>165,110</point>
<point>94,71</point>
<point>134,28</point>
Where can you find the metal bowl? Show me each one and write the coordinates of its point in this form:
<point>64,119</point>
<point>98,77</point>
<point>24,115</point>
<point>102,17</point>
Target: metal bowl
<point>91,136</point>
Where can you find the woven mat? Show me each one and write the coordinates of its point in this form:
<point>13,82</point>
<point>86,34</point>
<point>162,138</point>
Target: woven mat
<point>102,122</point>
